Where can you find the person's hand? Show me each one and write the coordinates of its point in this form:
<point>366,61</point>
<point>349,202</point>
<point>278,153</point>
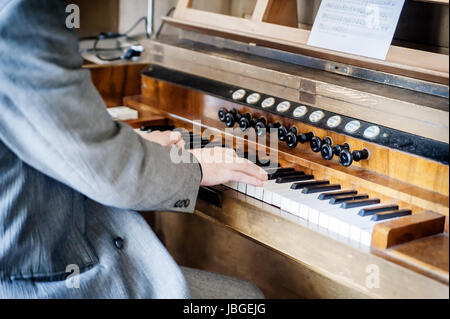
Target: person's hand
<point>222,165</point>
<point>165,138</point>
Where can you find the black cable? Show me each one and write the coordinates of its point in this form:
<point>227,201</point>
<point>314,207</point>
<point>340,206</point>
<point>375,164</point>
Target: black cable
<point>137,23</point>
<point>163,23</point>
<point>102,37</point>
<point>110,35</point>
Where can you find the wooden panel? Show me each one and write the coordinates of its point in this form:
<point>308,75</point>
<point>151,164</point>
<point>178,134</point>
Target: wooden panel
<point>198,242</point>
<point>282,12</point>
<point>116,82</point>
<point>325,256</point>
<point>399,231</point>
<point>428,255</point>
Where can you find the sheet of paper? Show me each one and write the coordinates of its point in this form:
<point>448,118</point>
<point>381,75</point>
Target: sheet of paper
<point>361,27</point>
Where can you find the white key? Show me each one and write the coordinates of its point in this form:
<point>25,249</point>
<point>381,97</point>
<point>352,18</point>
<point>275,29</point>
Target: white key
<point>250,190</point>
<point>292,202</point>
<point>349,224</point>
<point>345,222</point>
<point>270,189</point>
<point>242,188</point>
<point>259,191</point>
<point>232,185</point>
<point>286,191</point>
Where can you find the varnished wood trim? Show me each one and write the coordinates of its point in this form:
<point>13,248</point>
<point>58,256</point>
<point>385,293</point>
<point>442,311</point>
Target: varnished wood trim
<point>399,231</point>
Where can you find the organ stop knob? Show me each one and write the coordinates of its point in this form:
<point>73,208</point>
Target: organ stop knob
<point>305,137</point>
<point>244,122</point>
<point>231,118</point>
<point>327,151</point>
<point>291,137</point>
<point>346,158</point>
<point>316,143</point>
<point>222,114</point>
<point>260,127</point>
<point>282,132</point>
<point>360,155</point>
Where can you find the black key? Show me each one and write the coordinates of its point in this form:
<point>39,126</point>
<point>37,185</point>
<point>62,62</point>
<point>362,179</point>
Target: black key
<point>326,196</point>
<point>271,170</point>
<point>359,203</point>
<point>302,185</point>
<point>340,199</point>
<point>319,189</point>
<point>292,179</point>
<point>391,214</point>
<point>371,211</point>
<point>284,174</point>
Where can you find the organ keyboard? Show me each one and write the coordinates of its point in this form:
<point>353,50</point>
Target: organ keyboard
<point>356,151</point>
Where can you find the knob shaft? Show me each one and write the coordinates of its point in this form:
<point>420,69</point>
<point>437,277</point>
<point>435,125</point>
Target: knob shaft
<point>329,151</point>
<point>360,155</point>
<point>274,125</point>
<point>337,149</point>
<point>316,143</point>
<point>305,137</point>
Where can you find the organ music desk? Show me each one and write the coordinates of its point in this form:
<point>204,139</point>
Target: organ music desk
<point>359,205</point>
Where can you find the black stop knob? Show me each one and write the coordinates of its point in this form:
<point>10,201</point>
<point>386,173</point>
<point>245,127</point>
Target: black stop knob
<point>305,137</point>
<point>260,127</point>
<point>222,114</point>
<point>291,140</point>
<point>327,152</point>
<point>282,132</point>
<point>271,126</point>
<point>346,158</point>
<point>337,149</point>
<point>231,118</point>
<point>244,122</point>
<point>274,125</point>
<point>316,143</point>
<point>360,155</point>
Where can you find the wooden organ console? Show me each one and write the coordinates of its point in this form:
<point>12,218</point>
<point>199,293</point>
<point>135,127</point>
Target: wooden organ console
<point>359,205</point>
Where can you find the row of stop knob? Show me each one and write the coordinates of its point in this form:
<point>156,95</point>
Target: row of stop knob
<point>292,137</point>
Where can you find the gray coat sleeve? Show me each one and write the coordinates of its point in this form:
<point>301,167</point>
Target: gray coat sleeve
<point>54,120</point>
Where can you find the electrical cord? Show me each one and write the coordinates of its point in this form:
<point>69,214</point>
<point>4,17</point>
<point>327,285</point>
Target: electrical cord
<point>133,51</point>
<point>163,23</point>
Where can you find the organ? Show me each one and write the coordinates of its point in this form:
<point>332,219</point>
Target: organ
<point>356,150</point>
